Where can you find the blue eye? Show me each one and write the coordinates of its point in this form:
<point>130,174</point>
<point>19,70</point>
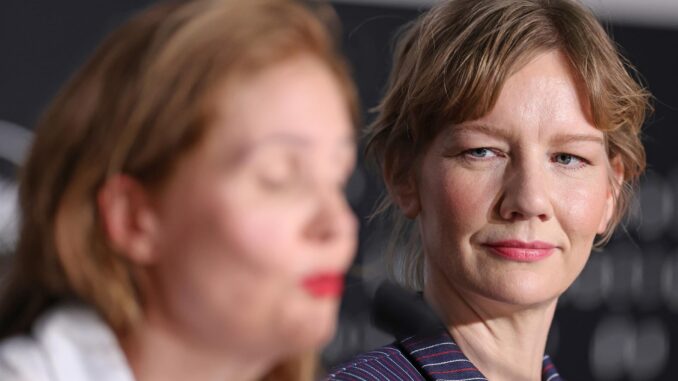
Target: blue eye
<point>562,158</point>
<point>569,160</point>
<point>480,153</point>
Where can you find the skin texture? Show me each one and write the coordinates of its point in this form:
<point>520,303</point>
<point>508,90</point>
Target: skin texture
<point>534,168</point>
<point>223,249</point>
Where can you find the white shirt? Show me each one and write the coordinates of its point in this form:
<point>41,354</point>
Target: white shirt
<point>68,343</point>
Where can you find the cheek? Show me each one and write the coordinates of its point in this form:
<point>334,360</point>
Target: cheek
<point>272,259</point>
<point>269,238</point>
<point>455,204</point>
<point>581,208</point>
<point>217,240</point>
<point>223,255</point>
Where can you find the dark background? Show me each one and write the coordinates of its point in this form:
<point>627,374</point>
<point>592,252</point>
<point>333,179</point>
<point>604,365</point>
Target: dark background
<point>619,321</point>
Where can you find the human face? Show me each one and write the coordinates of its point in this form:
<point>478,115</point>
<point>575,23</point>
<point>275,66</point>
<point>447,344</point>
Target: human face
<point>254,232</point>
<point>510,203</point>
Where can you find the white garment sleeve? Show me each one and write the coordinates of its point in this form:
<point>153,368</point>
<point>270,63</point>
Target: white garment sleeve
<point>68,343</point>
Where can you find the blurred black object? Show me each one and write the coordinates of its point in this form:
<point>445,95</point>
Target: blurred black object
<point>403,313</point>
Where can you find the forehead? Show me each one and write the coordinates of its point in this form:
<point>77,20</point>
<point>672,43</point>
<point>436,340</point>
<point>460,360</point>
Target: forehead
<point>298,96</point>
<point>545,93</point>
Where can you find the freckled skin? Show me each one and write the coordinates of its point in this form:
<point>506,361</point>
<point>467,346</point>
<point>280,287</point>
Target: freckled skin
<point>529,184</point>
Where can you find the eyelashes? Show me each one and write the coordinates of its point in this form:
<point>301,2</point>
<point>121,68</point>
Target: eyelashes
<point>293,176</point>
<point>570,160</point>
<point>486,154</point>
<point>481,153</point>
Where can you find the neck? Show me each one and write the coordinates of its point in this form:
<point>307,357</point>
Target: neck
<point>504,342</point>
<point>157,351</point>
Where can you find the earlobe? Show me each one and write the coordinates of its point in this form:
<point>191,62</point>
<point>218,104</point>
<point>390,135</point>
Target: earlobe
<point>406,195</point>
<point>402,185</point>
<point>127,218</point>
<point>616,184</point>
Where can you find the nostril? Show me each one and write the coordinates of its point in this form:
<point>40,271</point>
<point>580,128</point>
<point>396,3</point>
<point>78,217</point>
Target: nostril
<point>326,235</point>
<point>518,216</point>
<point>334,219</point>
<point>525,197</point>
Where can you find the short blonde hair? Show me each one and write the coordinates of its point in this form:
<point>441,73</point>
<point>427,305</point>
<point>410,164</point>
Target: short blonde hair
<point>449,67</point>
<point>142,101</point>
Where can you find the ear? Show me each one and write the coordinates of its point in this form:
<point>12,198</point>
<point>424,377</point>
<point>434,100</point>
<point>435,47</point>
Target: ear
<point>616,182</point>
<point>128,218</point>
<point>402,186</point>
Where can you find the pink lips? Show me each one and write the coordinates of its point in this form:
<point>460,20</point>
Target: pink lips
<point>324,285</point>
<point>522,251</point>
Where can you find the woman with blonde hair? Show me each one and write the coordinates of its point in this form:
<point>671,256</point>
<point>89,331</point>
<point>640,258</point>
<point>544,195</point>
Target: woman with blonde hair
<point>182,207</point>
<point>509,141</point>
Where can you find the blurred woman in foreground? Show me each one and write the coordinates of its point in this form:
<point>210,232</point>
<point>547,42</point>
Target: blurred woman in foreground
<point>183,214</point>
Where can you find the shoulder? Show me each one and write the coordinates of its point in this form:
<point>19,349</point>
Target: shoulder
<point>385,363</point>
<point>22,359</point>
<point>68,342</point>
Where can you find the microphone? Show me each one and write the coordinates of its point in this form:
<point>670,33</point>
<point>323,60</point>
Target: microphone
<point>403,313</point>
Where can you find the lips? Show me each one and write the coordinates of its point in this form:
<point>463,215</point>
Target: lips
<point>324,285</point>
<point>521,251</point>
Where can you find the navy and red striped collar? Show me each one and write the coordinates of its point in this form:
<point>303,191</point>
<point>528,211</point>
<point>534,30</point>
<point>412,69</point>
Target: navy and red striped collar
<point>439,358</point>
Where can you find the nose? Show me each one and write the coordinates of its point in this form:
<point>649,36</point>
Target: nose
<point>526,192</point>
<point>333,220</point>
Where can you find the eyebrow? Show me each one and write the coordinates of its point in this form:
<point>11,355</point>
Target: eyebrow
<point>482,128</point>
<point>576,138</point>
<point>296,140</point>
<point>287,139</point>
<point>497,132</point>
<point>290,139</point>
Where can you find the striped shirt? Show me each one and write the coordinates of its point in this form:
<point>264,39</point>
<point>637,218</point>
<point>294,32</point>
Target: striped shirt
<point>417,359</point>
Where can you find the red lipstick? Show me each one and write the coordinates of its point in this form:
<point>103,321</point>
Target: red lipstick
<point>520,251</point>
<point>324,285</point>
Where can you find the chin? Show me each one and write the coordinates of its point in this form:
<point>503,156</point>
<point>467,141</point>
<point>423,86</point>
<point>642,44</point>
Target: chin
<point>313,326</point>
<point>523,290</point>
<point>525,300</point>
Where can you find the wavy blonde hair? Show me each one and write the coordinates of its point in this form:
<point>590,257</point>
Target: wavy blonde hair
<point>449,67</point>
<point>141,102</point>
